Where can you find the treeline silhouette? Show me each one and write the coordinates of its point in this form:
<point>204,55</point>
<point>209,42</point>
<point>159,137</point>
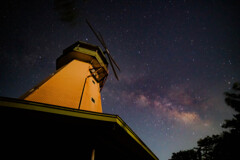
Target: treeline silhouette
<point>224,146</point>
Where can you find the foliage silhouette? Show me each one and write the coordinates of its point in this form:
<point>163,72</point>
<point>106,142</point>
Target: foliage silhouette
<point>223,146</point>
<point>183,155</point>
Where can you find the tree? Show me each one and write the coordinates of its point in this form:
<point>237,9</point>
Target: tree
<point>185,155</point>
<point>207,146</point>
<point>233,100</point>
<point>227,148</point>
<point>219,147</point>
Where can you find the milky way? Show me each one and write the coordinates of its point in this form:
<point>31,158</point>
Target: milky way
<point>177,58</point>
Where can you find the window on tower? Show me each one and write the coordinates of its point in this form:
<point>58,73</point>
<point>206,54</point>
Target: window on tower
<point>93,100</point>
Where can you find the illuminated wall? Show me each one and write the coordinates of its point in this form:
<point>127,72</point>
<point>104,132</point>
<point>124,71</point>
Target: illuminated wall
<point>71,86</point>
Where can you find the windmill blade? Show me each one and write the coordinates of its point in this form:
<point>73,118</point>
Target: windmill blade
<point>95,33</point>
<point>107,51</point>
<point>114,71</point>
<point>110,57</point>
<point>101,40</point>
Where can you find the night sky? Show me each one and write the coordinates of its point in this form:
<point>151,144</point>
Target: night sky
<point>177,58</point>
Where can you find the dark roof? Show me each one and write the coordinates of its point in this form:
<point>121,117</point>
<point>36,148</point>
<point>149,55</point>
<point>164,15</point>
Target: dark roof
<point>108,134</point>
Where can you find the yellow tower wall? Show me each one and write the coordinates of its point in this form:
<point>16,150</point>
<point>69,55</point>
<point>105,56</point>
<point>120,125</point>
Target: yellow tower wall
<point>68,87</point>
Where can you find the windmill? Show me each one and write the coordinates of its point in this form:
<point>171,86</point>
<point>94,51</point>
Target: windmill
<point>81,73</point>
<point>101,40</point>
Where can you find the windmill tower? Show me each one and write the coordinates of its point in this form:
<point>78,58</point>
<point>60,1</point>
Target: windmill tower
<point>81,73</point>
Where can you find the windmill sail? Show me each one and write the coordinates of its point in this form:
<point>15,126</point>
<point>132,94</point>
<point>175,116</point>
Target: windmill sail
<point>101,40</point>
